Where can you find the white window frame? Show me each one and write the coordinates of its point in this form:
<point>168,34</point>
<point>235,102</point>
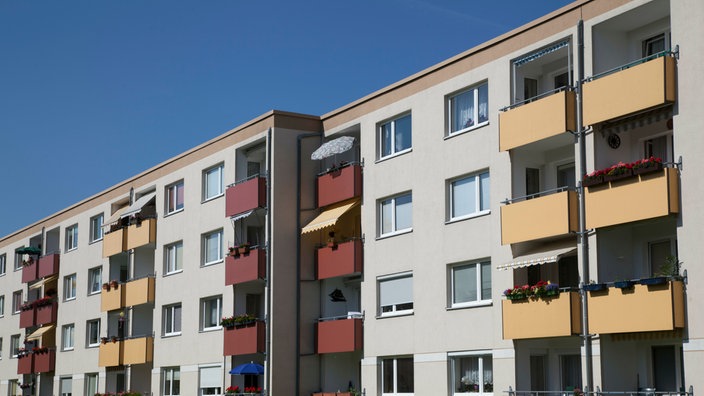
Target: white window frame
<point>170,320</point>
<point>171,258</point>
<point>0,348</point>
<point>204,248</point>
<point>17,299</point>
<point>93,273</point>
<point>71,237</point>
<point>395,375</point>
<point>205,309</point>
<point>14,345</point>
<point>395,309</point>
<point>18,259</point>
<point>171,190</point>
<point>2,306</point>
<point>219,168</point>
<point>217,389</point>
<point>90,324</point>
<point>87,384</point>
<point>380,136</point>
<point>65,392</point>
<point>393,206</point>
<point>481,355</point>
<point>478,193</point>
<point>169,373</point>
<point>3,264</point>
<point>474,90</point>
<point>70,287</point>
<point>68,333</point>
<point>478,284</point>
<point>96,228</point>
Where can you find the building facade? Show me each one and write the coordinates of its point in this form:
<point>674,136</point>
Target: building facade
<point>522,217</point>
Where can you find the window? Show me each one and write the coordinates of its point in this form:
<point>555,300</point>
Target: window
<point>396,214</point>
<point>661,256</point>
<point>471,374</point>
<point>13,388</point>
<point>70,287</point>
<point>397,376</point>
<point>65,386</point>
<point>469,196</point>
<point>95,280</point>
<point>93,333</point>
<point>3,264</point>
<point>67,337</point>
<point>659,147</point>
<point>396,295</point>
<point>468,109</point>
<point>571,371</point>
<point>471,283</point>
<point>654,45</point>
<point>395,136</point>
<point>212,182</point>
<point>16,301</point>
<point>212,247</point>
<point>172,381</point>
<point>210,380</point>
<point>174,197</point>
<point>96,228</point>
<point>14,345</point>
<point>172,320</point>
<point>91,384</point>
<point>0,348</point>
<point>566,176</point>
<point>211,311</point>
<point>18,259</point>
<point>72,237</point>
<point>173,257</point>
<point>2,306</point>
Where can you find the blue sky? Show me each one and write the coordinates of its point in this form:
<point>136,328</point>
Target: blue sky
<point>93,92</point>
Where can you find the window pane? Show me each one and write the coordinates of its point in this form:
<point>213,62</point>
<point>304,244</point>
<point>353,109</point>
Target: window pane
<point>403,212</point>
<point>463,197</point>
<point>463,279</point>
<point>462,111</point>
<point>213,182</point>
<point>386,216</point>
<point>484,180</point>
<point>387,368</point>
<point>486,281</point>
<point>212,247</point>
<point>386,139</point>
<point>396,291</point>
<point>483,103</point>
<point>404,378</point>
<point>177,319</point>
<point>402,133</point>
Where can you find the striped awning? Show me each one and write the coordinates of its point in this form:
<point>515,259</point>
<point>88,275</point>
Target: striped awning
<point>329,217</point>
<point>540,53</point>
<point>44,281</point>
<point>550,256</point>
<point>38,333</point>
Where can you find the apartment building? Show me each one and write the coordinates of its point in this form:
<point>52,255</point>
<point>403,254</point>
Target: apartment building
<point>375,249</point>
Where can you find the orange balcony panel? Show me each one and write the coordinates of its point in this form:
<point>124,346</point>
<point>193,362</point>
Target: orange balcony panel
<point>29,272</point>
<point>112,298</point>
<point>639,197</point>
<point>344,335</point>
<point>641,308</point>
<point>45,362</point>
<point>537,120</point>
<point>25,364</point>
<point>340,260</point>
<point>46,314</point>
<point>48,265</point>
<point>138,350</point>
<point>542,217</point>
<point>332,394</point>
<point>557,316</point>
<point>139,291</point>
<point>27,318</point>
<point>638,88</point>
<point>114,242</point>
<point>340,185</point>
<point>245,268</point>
<point>110,354</point>
<point>244,340</point>
<point>141,234</point>
<point>245,196</point>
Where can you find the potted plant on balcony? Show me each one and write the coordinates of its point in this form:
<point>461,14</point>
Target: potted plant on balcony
<point>244,248</point>
<point>232,390</point>
<point>624,284</point>
<point>618,171</point>
<point>106,286</point>
<point>594,287</point>
<point>551,290</point>
<point>114,283</point>
<point>647,165</point>
<point>228,322</point>
<point>518,292</point>
<point>26,306</point>
<point>43,302</point>
<point>232,251</point>
<point>594,178</point>
<point>244,320</point>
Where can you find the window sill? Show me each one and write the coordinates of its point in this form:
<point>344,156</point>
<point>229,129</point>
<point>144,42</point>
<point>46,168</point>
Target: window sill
<point>94,293</point>
<point>171,335</point>
<point>474,304</point>
<point>70,299</point>
<point>211,263</point>
<point>67,349</point>
<point>95,241</point>
<point>393,234</point>
<point>93,345</point>
<point>72,249</point>
<point>173,273</point>
<point>174,212</point>
<point>210,329</point>
<point>465,130</point>
<point>394,155</point>
<point>213,198</point>
<point>394,314</point>
<point>469,216</point>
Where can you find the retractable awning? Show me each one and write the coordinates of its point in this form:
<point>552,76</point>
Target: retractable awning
<point>540,53</point>
<point>43,282</point>
<point>242,216</point>
<point>328,218</point>
<point>544,257</point>
<point>38,333</point>
<point>115,216</point>
<point>137,206</point>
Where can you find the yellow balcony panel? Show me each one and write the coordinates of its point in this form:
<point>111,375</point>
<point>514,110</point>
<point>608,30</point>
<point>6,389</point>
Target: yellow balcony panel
<point>544,317</point>
<point>537,120</point>
<point>641,308</point>
<point>139,291</point>
<point>542,217</point>
<point>638,88</point>
<point>138,350</point>
<point>141,234</point>
<point>112,297</point>
<point>114,243</point>
<point>110,354</point>
<point>639,197</point>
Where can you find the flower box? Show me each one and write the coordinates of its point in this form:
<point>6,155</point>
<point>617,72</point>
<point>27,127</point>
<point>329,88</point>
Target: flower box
<point>647,169</point>
<point>622,173</point>
<point>626,284</point>
<point>592,180</point>
<point>594,287</point>
<point>658,280</point>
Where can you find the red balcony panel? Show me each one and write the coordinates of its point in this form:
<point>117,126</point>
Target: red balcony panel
<point>245,196</point>
<point>244,340</point>
<point>27,318</point>
<point>48,265</point>
<point>46,314</point>
<point>246,267</point>
<point>45,362</point>
<point>25,364</point>
<point>344,335</point>
<point>340,185</point>
<point>340,260</point>
<point>29,272</point>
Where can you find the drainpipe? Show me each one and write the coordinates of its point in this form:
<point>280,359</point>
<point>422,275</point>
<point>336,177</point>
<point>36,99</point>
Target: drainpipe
<point>583,235</point>
<point>267,287</point>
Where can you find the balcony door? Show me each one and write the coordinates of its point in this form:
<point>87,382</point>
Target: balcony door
<point>659,147</point>
<point>665,368</point>
<point>538,373</point>
<point>658,253</point>
<point>570,372</point>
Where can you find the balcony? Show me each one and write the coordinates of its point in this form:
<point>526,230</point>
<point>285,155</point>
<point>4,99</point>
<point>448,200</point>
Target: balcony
<point>634,89</point>
<point>340,185</point>
<point>245,196</point>
<point>635,198</point>
<point>542,217</point>
<point>540,119</point>
<point>112,297</point>
<point>138,350</point>
<point>246,267</point>
<point>244,340</point>
<point>27,317</point>
<point>29,272</point>
<point>114,242</point>
<point>340,260</point>
<point>48,265</point>
<point>44,362</point>
<point>110,354</point>
<point>25,364</point>
<point>141,234</point>
<point>139,291</point>
<point>543,317</point>
<point>343,335</point>
<point>636,309</point>
<point>45,314</point>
